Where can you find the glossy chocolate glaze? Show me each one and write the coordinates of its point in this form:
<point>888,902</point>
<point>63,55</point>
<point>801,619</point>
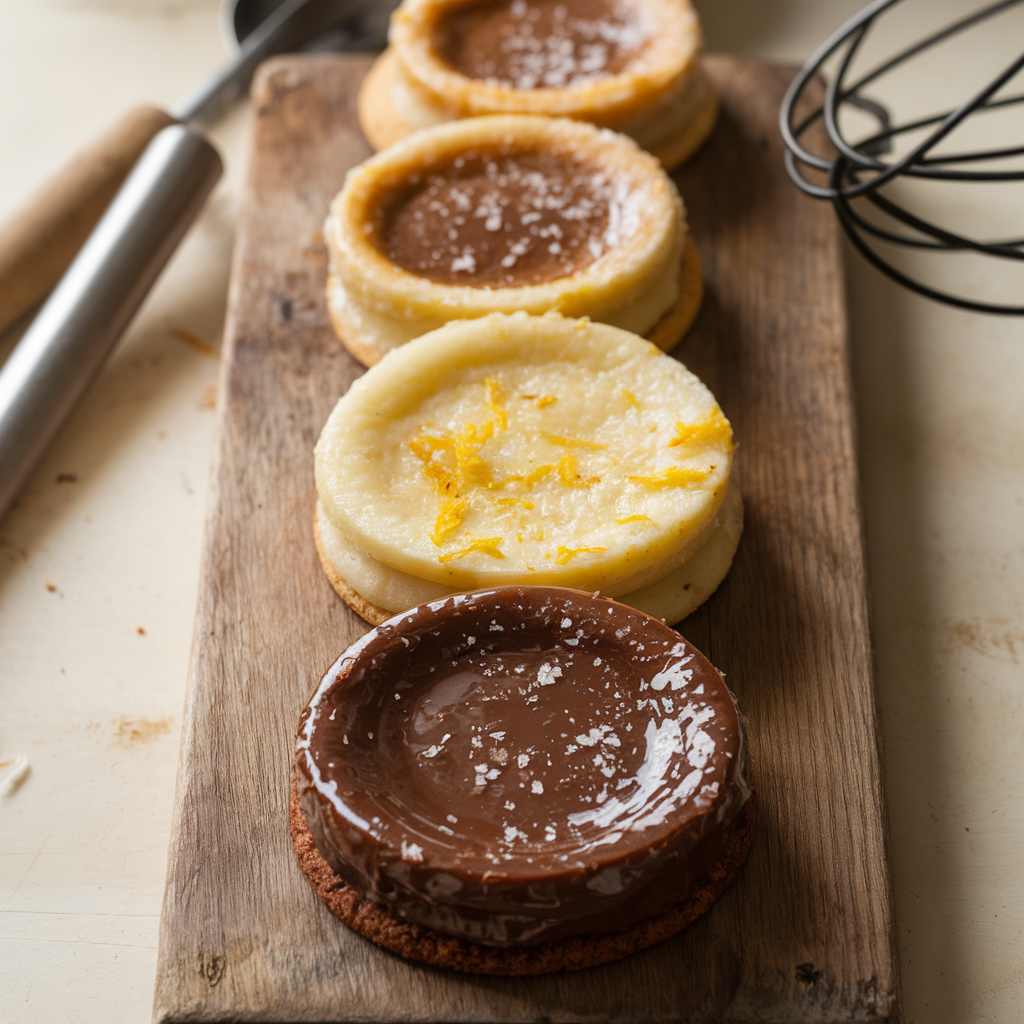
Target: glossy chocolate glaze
<point>519,765</point>
<point>501,220</point>
<point>538,44</point>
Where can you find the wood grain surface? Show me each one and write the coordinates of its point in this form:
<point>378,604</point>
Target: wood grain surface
<point>806,933</point>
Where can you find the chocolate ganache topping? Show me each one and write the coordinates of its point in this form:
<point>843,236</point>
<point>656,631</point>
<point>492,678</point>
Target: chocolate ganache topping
<point>541,44</point>
<point>503,220</point>
<point>519,765</point>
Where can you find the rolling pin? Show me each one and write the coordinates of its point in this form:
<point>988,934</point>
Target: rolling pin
<point>39,242</point>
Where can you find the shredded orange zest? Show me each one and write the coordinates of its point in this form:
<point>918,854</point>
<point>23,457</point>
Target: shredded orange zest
<point>486,546</point>
<point>715,428</point>
<point>453,465</point>
<point>453,511</point>
<point>674,476</point>
<point>631,398</point>
<point>569,474</point>
<point>564,554</point>
<point>572,442</point>
<point>424,448</point>
<point>493,402</point>
<point>634,519</point>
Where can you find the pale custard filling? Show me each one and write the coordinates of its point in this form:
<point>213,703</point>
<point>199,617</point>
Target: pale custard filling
<point>518,448</point>
<point>670,597</point>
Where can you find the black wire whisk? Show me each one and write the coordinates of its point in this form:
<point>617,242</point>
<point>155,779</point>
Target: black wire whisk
<point>856,171</point>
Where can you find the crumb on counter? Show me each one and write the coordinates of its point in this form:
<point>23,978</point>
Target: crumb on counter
<point>18,768</point>
<point>195,341</point>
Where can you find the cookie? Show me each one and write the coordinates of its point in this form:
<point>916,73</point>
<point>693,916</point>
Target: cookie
<point>632,67</point>
<point>354,574</point>
<point>506,213</point>
<point>516,449</point>
<point>414,942</point>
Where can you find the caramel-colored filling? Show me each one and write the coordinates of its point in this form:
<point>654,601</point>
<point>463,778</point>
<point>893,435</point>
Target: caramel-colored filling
<point>500,221</point>
<point>541,44</point>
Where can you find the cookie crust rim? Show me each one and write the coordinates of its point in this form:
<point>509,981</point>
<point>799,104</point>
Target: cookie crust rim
<point>667,333</point>
<point>416,942</point>
<point>383,126</point>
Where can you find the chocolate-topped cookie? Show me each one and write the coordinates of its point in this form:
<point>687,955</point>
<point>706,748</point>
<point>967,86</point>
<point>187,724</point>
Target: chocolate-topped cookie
<point>521,770</point>
<point>630,65</point>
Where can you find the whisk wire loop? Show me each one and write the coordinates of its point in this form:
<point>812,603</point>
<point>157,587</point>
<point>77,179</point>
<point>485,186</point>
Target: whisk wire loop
<point>857,172</point>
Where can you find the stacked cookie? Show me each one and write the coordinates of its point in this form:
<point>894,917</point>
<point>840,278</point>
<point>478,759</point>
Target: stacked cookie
<point>524,449</point>
<point>633,66</point>
<point>506,213</point>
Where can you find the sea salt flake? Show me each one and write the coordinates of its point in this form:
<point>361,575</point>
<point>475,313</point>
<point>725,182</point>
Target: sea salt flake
<point>412,852</point>
<point>548,673</point>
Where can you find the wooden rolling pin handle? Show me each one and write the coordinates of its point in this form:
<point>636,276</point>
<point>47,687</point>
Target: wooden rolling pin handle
<point>40,241</point>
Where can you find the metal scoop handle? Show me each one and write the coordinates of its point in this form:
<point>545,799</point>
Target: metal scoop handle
<point>70,339</point>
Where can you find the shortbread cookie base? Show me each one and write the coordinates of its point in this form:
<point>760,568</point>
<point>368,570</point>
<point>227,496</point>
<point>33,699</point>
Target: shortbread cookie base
<point>666,333</point>
<point>671,598</point>
<point>674,325</point>
<point>383,125</point>
<point>363,608</point>
<point>414,942</point>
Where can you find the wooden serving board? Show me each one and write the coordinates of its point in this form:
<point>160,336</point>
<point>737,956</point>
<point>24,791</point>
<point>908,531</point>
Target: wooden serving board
<point>806,933</point>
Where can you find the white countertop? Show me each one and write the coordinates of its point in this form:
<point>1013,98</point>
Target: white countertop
<point>99,559</point>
